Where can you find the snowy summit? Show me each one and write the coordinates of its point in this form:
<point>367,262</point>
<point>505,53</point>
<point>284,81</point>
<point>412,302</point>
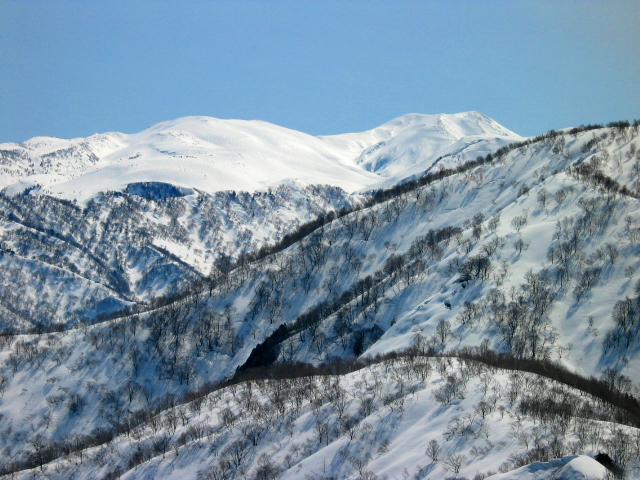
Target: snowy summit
<point>216,155</point>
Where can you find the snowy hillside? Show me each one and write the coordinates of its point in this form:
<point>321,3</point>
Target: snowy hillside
<point>64,263</point>
<point>530,251</point>
<point>92,225</point>
<point>406,418</point>
<point>414,144</point>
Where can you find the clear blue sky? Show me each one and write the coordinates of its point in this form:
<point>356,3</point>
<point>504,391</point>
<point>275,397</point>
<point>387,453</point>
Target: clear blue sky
<point>74,68</point>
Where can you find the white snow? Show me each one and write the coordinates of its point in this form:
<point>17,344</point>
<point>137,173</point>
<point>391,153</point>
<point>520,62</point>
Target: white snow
<point>214,155</point>
<point>577,467</point>
<point>95,363</point>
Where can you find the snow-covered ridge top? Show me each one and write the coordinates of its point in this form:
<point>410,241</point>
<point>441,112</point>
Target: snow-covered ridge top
<point>211,154</point>
<point>414,143</point>
<point>575,467</point>
<point>453,126</point>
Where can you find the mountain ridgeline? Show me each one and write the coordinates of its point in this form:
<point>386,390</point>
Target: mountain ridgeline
<point>450,300</point>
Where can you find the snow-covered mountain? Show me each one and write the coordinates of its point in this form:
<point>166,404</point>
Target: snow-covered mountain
<point>214,155</point>
<point>414,144</point>
<point>92,225</point>
<point>65,263</point>
<point>530,251</point>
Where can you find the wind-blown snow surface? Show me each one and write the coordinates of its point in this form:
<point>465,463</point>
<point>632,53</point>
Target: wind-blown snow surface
<point>579,467</point>
<point>214,155</point>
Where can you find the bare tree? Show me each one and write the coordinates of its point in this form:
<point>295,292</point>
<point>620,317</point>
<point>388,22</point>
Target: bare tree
<point>236,452</point>
<point>443,330</point>
<point>494,223</point>
<point>519,245</point>
<point>433,450</point>
<point>266,469</point>
<point>453,463</point>
<point>543,197</point>
<point>519,222</point>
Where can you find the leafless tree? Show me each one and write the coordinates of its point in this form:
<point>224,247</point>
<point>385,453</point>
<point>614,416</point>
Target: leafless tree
<point>433,450</point>
<point>454,462</point>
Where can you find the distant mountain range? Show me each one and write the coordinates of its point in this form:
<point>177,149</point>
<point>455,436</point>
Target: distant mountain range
<point>214,155</point>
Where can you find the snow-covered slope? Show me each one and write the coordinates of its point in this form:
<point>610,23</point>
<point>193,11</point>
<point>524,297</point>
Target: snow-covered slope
<point>416,143</point>
<point>91,225</point>
<point>532,251</point>
<point>575,467</point>
<point>396,419</point>
<point>214,155</point>
<point>64,263</point>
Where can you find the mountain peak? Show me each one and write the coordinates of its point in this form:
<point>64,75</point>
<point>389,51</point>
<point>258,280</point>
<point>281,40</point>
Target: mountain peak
<point>414,143</point>
<point>213,154</point>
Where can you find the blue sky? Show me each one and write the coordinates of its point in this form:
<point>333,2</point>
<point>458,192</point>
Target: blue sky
<point>74,68</point>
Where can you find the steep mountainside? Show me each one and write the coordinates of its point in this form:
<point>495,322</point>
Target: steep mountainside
<point>91,225</point>
<point>530,250</point>
<point>403,418</point>
<point>64,263</point>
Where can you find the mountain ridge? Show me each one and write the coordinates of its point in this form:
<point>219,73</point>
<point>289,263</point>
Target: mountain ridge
<point>527,254</point>
<point>248,155</point>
